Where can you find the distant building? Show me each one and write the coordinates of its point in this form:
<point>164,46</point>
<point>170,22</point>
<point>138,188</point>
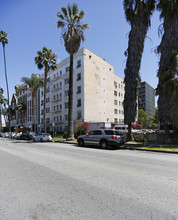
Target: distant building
<point>146,98</point>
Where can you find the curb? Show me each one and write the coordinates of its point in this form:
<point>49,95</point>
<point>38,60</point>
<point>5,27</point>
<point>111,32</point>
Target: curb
<point>64,142</point>
<point>127,148</point>
<point>160,151</point>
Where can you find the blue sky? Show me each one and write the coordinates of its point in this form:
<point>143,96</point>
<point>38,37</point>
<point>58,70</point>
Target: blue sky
<point>32,24</point>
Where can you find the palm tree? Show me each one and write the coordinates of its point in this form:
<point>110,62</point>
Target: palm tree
<point>47,59</point>
<point>72,33</point>
<point>33,83</point>
<point>168,65</point>
<point>21,107</point>
<point>2,101</point>
<point>4,41</point>
<point>138,13</point>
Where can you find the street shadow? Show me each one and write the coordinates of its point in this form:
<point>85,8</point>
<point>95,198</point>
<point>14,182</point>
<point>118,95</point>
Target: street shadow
<point>99,148</point>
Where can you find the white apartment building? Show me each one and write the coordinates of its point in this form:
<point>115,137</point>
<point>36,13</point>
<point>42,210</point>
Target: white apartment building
<point>98,93</point>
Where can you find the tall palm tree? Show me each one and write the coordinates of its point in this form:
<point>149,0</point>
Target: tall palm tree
<point>45,59</point>
<point>138,13</point>
<point>167,88</point>
<point>33,83</point>
<point>70,21</point>
<point>4,41</point>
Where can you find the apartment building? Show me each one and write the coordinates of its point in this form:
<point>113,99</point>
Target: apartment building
<point>146,98</point>
<point>30,116</point>
<point>98,93</point>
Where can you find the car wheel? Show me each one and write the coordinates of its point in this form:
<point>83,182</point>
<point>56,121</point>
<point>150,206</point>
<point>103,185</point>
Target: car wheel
<point>81,142</point>
<point>104,144</point>
<point>41,139</point>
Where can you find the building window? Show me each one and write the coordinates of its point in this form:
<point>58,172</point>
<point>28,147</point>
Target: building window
<point>115,92</point>
<point>54,86</point>
<point>57,107</point>
<point>47,100</point>
<point>66,81</point>
<point>41,111</point>
<point>61,73</point>
<point>115,84</point>
<point>60,107</point>
<point>47,120</point>
<point>79,115</point>
<point>115,120</point>
<point>115,102</point>
<point>89,56</point>
<point>47,90</point>
<point>60,84</point>
<point>54,118</point>
<point>60,95</point>
<point>60,117</point>
<point>115,111</point>
<point>66,105</point>
<point>41,103</point>
<point>54,108</point>
<point>78,76</point>
<point>54,97</point>
<point>67,69</point>
<point>66,92</point>
<point>66,117</point>
<point>78,89</point>
<point>78,102</point>
<point>119,94</point>
<point>78,63</point>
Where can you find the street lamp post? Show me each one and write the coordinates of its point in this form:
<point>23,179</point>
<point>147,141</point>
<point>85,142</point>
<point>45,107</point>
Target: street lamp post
<point>53,128</point>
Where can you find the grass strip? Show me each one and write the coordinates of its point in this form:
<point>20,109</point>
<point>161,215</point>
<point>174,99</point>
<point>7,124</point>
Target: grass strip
<point>154,147</point>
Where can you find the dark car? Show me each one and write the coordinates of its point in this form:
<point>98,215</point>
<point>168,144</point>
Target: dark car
<point>101,137</point>
<point>27,135</point>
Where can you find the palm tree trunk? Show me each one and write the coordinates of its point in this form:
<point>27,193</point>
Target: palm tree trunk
<point>7,87</point>
<point>0,119</point>
<point>167,101</point>
<point>70,101</point>
<point>132,77</point>
<point>44,108</point>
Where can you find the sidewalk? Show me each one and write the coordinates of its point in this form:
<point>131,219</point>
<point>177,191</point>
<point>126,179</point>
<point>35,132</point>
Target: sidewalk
<point>134,147</point>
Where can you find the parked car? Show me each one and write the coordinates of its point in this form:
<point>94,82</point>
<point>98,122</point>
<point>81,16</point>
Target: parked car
<point>27,135</point>
<point>101,137</point>
<point>17,135</point>
<point>42,137</point>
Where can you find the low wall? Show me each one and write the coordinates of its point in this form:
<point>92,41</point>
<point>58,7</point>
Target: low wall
<point>163,139</point>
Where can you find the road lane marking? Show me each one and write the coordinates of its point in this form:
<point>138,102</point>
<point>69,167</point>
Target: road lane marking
<point>125,170</point>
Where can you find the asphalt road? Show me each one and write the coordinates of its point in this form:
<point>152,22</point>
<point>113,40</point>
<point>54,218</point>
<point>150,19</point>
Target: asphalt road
<point>53,181</point>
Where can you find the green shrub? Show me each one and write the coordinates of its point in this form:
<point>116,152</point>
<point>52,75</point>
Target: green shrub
<point>138,137</point>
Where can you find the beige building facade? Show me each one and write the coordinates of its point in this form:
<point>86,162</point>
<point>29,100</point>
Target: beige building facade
<point>98,93</point>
